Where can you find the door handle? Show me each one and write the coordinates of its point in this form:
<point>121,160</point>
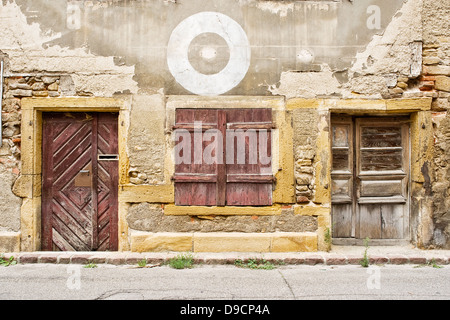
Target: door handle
<point>84,171</point>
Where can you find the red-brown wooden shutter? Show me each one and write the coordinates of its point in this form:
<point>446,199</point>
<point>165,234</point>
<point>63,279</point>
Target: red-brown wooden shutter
<point>249,183</point>
<point>226,181</point>
<point>195,183</point>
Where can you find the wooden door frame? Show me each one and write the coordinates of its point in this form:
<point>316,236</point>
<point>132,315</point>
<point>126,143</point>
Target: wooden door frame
<point>420,148</point>
<point>28,186</point>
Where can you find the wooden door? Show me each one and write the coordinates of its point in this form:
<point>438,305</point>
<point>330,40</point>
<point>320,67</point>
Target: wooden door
<point>223,157</point>
<point>370,177</point>
<point>80,182</point>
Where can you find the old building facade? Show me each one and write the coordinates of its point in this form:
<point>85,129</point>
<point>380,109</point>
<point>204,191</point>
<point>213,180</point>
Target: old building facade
<point>242,125</point>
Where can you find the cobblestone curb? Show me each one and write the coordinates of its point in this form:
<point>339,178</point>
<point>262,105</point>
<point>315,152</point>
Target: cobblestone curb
<point>133,258</point>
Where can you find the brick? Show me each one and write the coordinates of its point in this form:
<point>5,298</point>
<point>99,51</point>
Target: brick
<point>417,259</point>
<point>314,259</point>
<point>116,259</point>
<point>425,88</point>
<point>80,258</point>
<point>354,259</point>
<point>64,258</point>
<point>134,258</point>
<point>48,258</point>
<point>397,259</point>
<point>28,258</point>
<point>378,259</point>
<point>440,260</point>
<point>427,78</point>
<point>336,260</point>
<point>295,260</point>
<point>98,259</point>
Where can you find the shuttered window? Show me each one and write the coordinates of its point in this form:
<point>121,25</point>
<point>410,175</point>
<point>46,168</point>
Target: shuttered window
<point>223,157</point>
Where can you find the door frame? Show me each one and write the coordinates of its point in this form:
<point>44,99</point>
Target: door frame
<point>29,184</point>
<point>420,147</point>
<point>354,123</point>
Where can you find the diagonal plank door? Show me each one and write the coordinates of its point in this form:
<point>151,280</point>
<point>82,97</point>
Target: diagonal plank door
<point>79,194</point>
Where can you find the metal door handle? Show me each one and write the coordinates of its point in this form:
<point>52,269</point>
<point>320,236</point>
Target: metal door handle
<point>84,171</point>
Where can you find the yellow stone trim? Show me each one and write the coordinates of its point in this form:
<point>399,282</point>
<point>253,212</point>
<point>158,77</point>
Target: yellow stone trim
<point>323,215</point>
<point>164,241</point>
<point>79,104</point>
<point>294,242</point>
<point>318,211</point>
<point>173,210</point>
<point>362,105</point>
<point>421,143</point>
<point>285,180</point>
<point>282,147</point>
<point>322,161</point>
<point>223,242</point>
<point>220,102</point>
<point>298,103</point>
<point>232,242</point>
<point>146,193</point>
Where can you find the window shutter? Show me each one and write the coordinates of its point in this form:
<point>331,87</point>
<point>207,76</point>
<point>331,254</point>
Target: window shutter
<point>195,180</point>
<point>223,157</point>
<point>249,160</point>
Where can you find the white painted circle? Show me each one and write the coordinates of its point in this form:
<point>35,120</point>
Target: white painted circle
<point>208,84</point>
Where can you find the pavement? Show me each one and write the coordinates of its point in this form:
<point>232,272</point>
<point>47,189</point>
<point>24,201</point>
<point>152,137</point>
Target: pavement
<point>338,255</point>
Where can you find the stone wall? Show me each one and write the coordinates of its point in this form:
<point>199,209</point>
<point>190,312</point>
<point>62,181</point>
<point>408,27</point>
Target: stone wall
<point>306,50</point>
<point>436,75</point>
<point>150,217</point>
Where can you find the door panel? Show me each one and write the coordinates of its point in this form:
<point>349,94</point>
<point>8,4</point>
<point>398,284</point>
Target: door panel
<point>79,193</point>
<point>370,181</point>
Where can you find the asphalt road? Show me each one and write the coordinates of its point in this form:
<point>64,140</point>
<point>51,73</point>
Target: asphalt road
<point>107,282</point>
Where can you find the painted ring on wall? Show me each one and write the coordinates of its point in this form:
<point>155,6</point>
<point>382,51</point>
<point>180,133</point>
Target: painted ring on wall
<point>178,53</point>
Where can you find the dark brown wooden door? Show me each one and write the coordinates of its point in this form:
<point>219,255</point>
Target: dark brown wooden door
<point>80,182</point>
<point>223,157</point>
<point>370,177</point>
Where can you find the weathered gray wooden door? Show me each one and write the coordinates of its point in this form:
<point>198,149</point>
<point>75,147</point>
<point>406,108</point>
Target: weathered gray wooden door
<point>370,178</point>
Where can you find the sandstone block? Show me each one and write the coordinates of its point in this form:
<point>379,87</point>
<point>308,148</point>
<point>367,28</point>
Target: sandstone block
<point>294,242</point>
<point>442,83</point>
<point>232,242</point>
<point>148,242</point>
